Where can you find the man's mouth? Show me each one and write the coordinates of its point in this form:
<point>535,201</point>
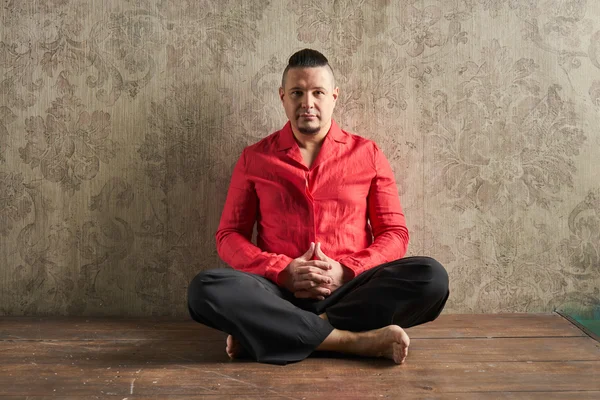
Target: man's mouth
<point>308,116</point>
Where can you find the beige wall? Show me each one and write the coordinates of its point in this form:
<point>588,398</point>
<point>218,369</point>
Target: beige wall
<point>120,122</point>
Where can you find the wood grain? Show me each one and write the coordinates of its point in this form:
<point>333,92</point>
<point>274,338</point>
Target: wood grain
<point>505,356</point>
<point>446,326</point>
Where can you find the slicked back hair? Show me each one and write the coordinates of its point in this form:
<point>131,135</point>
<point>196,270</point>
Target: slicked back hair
<point>306,58</point>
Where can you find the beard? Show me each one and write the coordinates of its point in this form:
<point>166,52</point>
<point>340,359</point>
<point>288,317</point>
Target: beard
<point>309,130</point>
<point>309,127</point>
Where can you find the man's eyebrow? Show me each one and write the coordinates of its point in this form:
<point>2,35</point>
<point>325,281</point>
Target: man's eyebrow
<point>315,88</point>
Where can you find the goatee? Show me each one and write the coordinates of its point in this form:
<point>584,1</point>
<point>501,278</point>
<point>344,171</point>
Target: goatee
<point>309,130</point>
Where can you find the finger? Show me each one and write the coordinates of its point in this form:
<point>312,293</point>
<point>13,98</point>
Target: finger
<point>308,284</point>
<point>324,265</point>
<point>305,269</point>
<point>318,290</point>
<point>308,269</point>
<point>314,277</point>
<point>304,285</point>
<point>319,252</point>
<point>309,253</point>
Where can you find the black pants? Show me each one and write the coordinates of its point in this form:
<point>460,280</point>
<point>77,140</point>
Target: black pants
<point>275,327</point>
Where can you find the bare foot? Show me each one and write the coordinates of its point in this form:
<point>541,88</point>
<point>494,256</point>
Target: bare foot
<point>233,348</point>
<point>391,342</point>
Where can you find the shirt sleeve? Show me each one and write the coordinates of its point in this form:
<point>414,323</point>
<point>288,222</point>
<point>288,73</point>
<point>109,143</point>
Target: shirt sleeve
<point>387,221</point>
<point>234,234</point>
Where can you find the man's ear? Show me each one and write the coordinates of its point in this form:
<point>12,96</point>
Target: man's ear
<point>336,93</point>
<point>281,93</point>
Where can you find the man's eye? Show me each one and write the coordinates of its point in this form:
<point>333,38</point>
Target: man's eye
<point>296,93</point>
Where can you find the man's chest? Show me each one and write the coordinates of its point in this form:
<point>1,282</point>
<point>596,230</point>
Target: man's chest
<point>279,182</point>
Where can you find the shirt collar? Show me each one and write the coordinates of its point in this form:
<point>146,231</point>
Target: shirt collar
<point>286,136</point>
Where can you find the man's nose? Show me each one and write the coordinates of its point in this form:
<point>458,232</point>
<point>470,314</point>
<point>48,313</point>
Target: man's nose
<point>308,101</point>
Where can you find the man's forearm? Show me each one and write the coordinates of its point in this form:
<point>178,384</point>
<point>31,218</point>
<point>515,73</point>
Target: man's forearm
<point>241,254</point>
<point>386,247</point>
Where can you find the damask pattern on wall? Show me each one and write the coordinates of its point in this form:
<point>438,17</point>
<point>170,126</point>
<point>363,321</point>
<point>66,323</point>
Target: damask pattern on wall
<point>121,121</point>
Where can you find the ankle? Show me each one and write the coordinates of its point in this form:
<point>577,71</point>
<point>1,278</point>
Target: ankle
<point>337,340</point>
<point>346,338</point>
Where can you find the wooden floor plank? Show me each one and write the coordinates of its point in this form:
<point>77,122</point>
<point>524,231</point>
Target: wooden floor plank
<point>78,328</point>
<point>504,349</point>
<point>303,380</point>
<point>141,352</point>
<point>565,395</point>
<point>446,326</point>
<point>496,325</point>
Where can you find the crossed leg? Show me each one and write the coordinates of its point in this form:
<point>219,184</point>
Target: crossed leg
<point>390,342</point>
<point>364,317</point>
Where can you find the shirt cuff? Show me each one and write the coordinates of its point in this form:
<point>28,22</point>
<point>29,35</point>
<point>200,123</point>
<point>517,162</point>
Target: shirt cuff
<point>352,268</point>
<point>274,270</point>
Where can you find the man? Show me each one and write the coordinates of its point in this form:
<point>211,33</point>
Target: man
<point>327,272</point>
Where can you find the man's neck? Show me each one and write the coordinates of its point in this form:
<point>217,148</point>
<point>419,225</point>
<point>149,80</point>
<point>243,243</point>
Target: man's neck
<point>311,142</point>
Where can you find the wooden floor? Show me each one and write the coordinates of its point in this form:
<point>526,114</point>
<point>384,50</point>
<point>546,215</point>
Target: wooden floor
<point>508,356</point>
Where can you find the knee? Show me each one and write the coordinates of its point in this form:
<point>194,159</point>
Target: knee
<point>203,287</point>
<point>438,285</point>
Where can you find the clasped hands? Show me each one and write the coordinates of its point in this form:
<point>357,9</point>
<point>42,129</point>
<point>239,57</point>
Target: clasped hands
<point>313,279</point>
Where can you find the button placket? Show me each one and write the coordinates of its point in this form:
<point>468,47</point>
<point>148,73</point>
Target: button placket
<point>311,206</point>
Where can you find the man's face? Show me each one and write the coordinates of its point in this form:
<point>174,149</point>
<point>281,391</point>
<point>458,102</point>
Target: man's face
<point>309,98</point>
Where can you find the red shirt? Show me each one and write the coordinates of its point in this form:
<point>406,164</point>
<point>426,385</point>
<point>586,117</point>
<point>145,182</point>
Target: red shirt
<point>349,184</point>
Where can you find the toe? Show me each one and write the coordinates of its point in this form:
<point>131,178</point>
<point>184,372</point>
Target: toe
<point>400,352</point>
<point>397,352</point>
